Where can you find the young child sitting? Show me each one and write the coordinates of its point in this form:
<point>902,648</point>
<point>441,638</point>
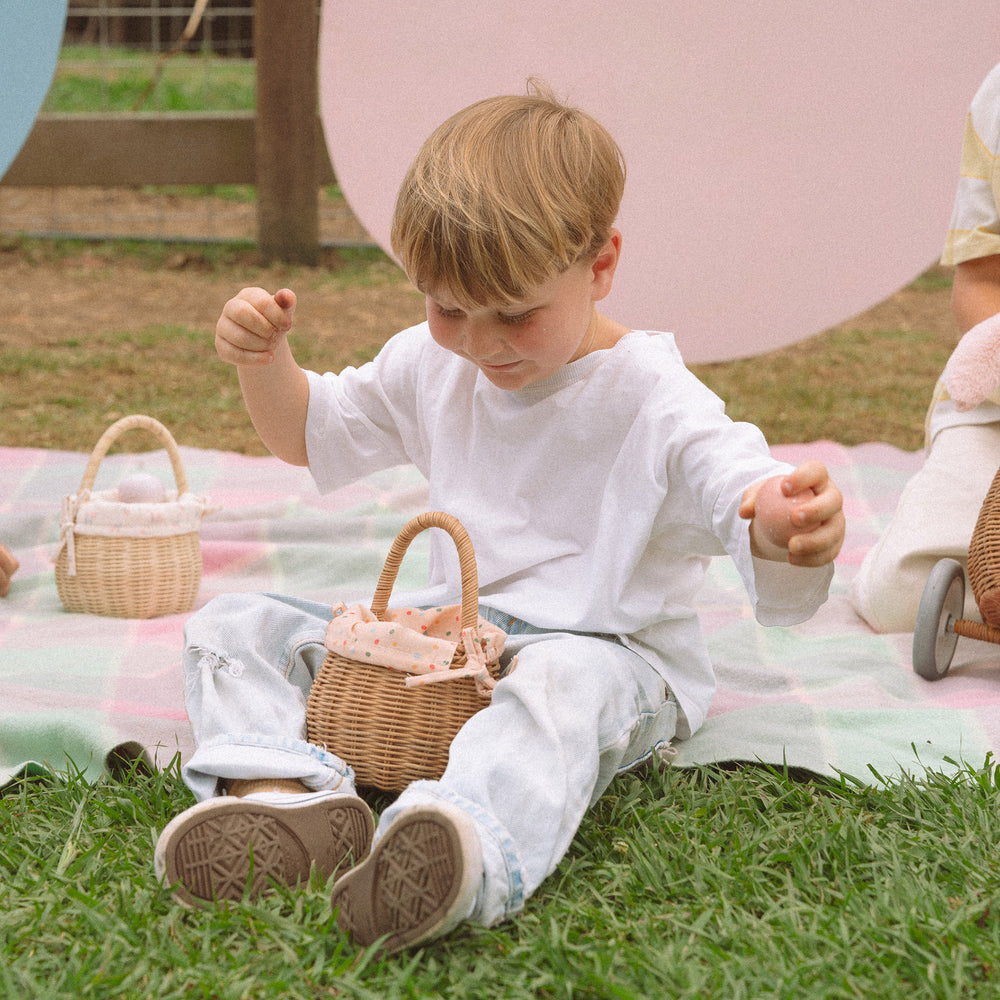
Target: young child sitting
<point>940,504</point>
<point>596,477</point>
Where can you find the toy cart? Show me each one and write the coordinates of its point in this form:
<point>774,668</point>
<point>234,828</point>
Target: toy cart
<point>939,616</point>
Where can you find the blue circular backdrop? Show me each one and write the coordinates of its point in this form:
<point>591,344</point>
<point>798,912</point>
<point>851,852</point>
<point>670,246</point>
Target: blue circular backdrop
<point>30,37</point>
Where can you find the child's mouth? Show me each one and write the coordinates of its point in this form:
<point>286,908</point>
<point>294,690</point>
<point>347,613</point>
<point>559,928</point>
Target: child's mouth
<point>499,368</point>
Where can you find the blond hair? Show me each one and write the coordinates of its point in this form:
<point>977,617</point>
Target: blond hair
<point>504,196</point>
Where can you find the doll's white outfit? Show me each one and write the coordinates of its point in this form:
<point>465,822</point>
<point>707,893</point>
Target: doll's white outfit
<point>938,507</point>
<point>594,500</point>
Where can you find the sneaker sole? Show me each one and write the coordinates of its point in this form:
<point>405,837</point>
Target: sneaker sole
<point>408,887</point>
<point>223,847</point>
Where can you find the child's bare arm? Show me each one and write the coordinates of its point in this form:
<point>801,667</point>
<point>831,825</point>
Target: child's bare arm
<point>975,291</point>
<point>252,335</point>
<point>796,518</point>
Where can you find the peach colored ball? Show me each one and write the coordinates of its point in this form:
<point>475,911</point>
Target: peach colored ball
<point>773,511</point>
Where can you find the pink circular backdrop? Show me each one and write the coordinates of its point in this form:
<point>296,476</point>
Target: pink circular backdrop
<point>790,165</point>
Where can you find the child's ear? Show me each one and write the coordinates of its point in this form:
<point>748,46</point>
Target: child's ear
<point>604,265</point>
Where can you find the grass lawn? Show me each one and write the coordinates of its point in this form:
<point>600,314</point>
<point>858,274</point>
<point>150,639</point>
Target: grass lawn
<point>710,882</point>
<point>115,78</point>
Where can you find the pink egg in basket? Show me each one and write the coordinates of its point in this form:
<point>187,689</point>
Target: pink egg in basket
<point>142,487</point>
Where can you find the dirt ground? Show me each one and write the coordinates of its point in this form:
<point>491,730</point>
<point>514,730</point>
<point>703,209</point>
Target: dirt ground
<point>51,300</point>
<point>96,293</point>
<point>51,297</point>
<point>157,213</point>
<point>60,298</point>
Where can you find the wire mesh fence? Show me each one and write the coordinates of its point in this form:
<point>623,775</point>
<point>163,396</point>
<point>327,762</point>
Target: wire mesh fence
<point>157,57</point>
<point>157,26</point>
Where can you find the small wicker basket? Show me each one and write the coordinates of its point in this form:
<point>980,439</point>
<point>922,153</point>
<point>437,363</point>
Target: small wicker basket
<point>127,576</point>
<point>984,556</point>
<point>393,734</point>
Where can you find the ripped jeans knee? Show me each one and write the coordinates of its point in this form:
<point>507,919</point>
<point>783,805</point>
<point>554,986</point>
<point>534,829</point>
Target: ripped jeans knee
<point>249,662</point>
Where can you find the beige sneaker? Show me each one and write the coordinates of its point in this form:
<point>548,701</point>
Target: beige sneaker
<point>219,848</point>
<point>419,882</point>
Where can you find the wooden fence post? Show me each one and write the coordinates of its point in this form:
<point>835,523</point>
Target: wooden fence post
<point>286,34</point>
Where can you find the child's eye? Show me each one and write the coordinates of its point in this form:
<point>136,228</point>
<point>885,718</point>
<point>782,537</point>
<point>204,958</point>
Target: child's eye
<point>515,319</point>
<point>450,313</point>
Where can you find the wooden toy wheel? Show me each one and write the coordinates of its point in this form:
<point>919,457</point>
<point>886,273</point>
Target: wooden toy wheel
<point>941,605</point>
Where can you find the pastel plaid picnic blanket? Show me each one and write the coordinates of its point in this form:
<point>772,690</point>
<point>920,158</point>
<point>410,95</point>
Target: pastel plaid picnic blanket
<point>829,696</point>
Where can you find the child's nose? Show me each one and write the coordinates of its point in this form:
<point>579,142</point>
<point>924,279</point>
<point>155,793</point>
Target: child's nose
<point>480,341</point>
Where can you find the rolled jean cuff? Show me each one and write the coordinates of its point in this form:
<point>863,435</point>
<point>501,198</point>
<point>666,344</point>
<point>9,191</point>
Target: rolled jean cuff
<point>502,894</point>
<point>249,756</point>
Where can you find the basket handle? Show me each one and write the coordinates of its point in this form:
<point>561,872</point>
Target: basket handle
<point>466,561</point>
<point>136,421</point>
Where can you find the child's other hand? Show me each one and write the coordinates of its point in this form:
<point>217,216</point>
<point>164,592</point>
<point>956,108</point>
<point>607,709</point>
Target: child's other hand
<point>252,325</point>
<point>8,567</point>
<point>806,530</point>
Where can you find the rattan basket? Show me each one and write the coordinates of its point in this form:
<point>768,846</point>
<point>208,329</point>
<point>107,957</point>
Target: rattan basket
<point>392,734</point>
<point>984,556</point>
<point>126,576</point>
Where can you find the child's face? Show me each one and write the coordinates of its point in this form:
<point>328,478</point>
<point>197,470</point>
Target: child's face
<point>516,345</point>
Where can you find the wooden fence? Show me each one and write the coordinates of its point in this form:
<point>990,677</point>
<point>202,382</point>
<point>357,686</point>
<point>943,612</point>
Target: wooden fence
<point>279,148</point>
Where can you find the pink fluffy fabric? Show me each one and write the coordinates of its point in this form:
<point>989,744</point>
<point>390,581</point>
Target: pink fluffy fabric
<point>973,370</point>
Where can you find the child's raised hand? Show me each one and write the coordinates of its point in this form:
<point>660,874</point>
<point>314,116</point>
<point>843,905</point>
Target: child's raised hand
<point>798,517</point>
<point>252,325</point>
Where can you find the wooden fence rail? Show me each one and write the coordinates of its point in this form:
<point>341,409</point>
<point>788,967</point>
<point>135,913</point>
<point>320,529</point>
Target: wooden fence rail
<point>279,148</point>
<point>126,149</point>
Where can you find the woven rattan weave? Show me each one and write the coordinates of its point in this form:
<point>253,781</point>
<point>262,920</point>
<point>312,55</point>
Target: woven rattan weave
<point>984,556</point>
<point>389,733</point>
<point>128,577</point>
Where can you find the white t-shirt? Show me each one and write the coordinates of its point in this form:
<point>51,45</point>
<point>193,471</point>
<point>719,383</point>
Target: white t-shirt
<point>594,499</point>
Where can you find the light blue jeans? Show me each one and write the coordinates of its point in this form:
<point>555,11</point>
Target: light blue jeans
<point>577,710</point>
